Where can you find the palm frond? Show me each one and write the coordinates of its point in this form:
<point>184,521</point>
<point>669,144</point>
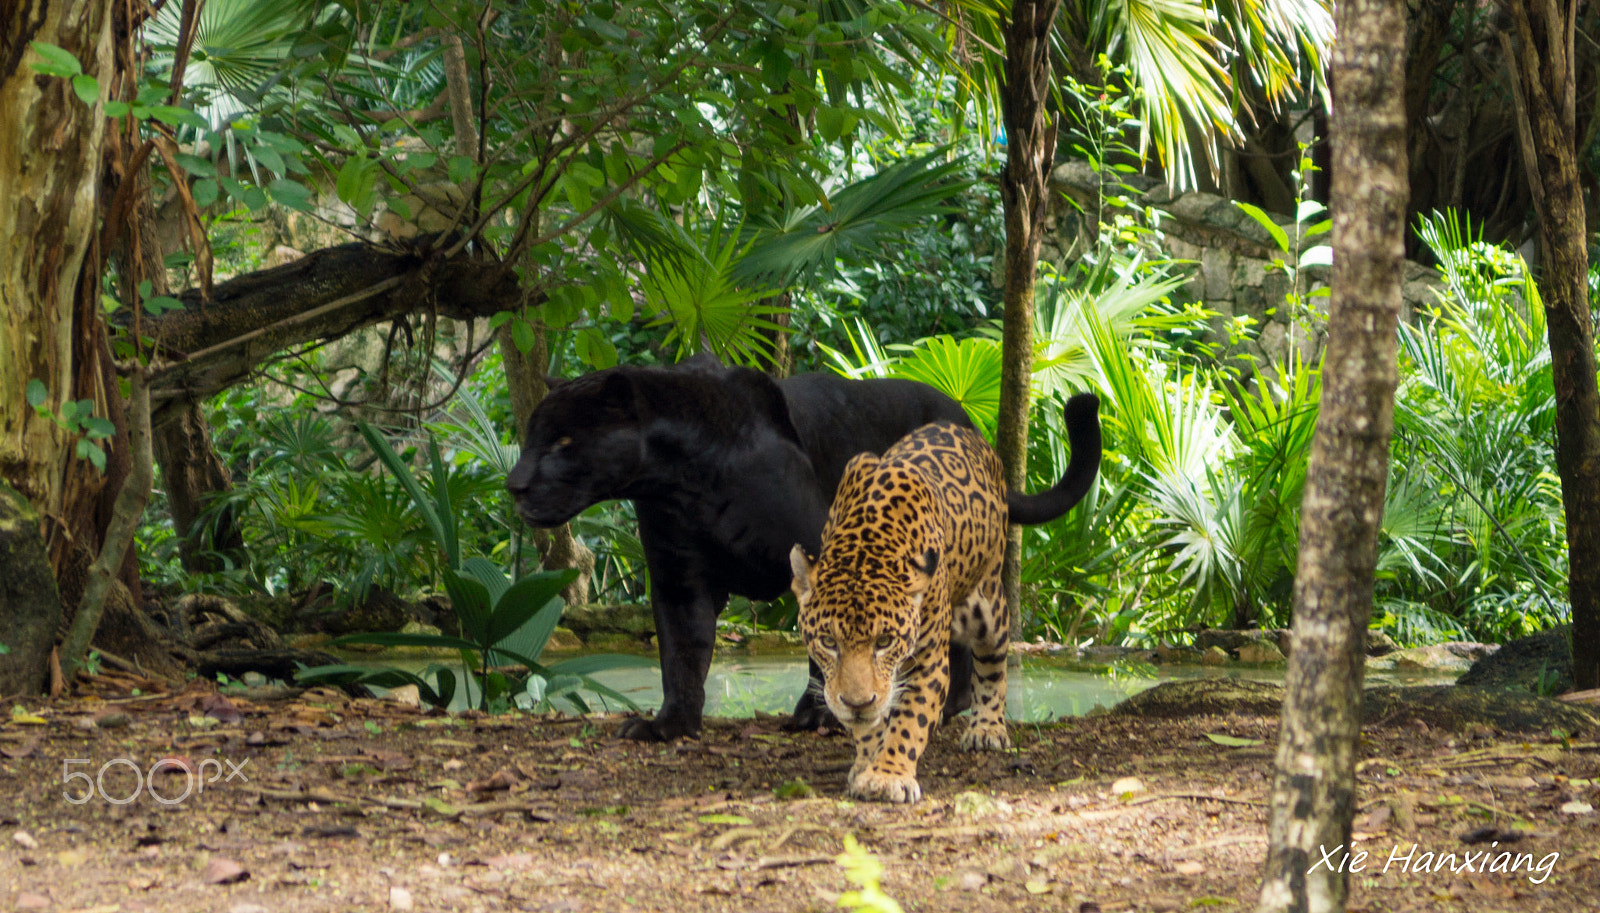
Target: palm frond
<point>805,241</point>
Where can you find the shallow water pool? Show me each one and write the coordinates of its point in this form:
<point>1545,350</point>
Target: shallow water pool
<point>1043,688</point>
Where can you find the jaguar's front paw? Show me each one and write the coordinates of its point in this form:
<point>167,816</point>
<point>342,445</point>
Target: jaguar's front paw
<point>985,737</point>
<point>883,787</point>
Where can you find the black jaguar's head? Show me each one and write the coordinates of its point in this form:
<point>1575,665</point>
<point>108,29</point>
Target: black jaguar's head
<point>582,447</point>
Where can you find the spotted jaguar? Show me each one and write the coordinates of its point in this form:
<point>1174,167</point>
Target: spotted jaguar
<point>910,560</point>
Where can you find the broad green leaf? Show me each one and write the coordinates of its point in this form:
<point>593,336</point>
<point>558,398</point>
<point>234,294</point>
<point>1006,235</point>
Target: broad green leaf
<point>37,393</point>
<point>174,116</point>
<point>1321,255</point>
<point>292,194</point>
<point>87,88</point>
<point>57,61</point>
<point>196,165</point>
<point>470,599</point>
<point>1266,221</point>
<point>204,192</point>
<point>524,611</point>
<point>489,574</point>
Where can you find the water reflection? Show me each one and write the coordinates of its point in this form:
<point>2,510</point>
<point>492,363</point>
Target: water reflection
<point>1042,689</point>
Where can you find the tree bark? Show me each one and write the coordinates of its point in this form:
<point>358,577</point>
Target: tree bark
<point>1540,47</point>
<point>1313,795</point>
<point>324,295</point>
<point>192,474</point>
<point>1024,191</point>
<point>525,377</point>
<point>30,607</point>
<point>50,173</point>
<point>50,144</point>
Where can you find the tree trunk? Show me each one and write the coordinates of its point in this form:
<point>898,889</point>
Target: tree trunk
<point>50,169</point>
<point>1540,47</point>
<point>30,608</point>
<point>1313,795</point>
<point>525,377</point>
<point>192,474</point>
<point>50,144</point>
<point>1024,190</point>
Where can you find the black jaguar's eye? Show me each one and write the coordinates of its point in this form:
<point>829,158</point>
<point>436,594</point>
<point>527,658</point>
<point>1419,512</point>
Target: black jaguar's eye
<point>828,642</point>
<point>560,444</point>
<point>884,641</point>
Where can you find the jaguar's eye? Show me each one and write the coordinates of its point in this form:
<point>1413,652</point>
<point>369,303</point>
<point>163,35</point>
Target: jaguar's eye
<point>564,442</point>
<point>828,642</point>
<point>885,641</point>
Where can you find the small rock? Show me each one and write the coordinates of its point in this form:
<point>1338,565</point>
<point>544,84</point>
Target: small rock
<point>30,901</point>
<point>406,696</point>
<point>970,880</point>
<point>254,679</point>
<point>1189,868</point>
<point>224,871</point>
<point>1128,786</point>
<point>1577,808</point>
<point>114,720</point>
<point>83,723</point>
<point>400,899</point>
<point>69,859</point>
<point>25,840</point>
<point>1012,870</point>
<point>1260,652</point>
<point>1214,656</point>
<point>975,804</point>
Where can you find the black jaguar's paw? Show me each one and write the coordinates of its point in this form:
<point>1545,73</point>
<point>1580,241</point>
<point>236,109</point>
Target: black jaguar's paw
<point>640,729</point>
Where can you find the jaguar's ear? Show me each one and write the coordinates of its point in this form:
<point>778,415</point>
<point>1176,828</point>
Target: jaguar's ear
<point>620,396</point>
<point>551,381</point>
<point>919,575</point>
<point>800,563</point>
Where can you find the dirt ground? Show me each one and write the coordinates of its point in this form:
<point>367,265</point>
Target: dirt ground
<point>340,805</point>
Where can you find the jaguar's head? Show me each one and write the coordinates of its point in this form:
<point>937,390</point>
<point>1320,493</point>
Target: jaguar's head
<point>583,446</point>
<point>860,617</point>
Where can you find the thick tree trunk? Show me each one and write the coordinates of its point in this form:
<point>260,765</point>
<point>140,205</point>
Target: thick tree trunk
<point>30,607</point>
<point>1313,796</point>
<point>1024,190</point>
<point>49,177</point>
<point>50,167</point>
<point>1540,43</point>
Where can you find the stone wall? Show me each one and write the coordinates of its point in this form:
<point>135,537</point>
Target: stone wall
<point>1230,266</point>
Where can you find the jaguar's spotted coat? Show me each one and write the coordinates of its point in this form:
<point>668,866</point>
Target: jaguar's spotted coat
<point>910,560</point>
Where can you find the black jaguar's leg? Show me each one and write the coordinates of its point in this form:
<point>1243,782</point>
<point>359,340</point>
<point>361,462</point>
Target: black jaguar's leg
<point>685,635</point>
<point>960,697</point>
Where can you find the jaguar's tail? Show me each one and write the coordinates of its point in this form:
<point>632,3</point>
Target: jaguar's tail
<point>1082,415</point>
